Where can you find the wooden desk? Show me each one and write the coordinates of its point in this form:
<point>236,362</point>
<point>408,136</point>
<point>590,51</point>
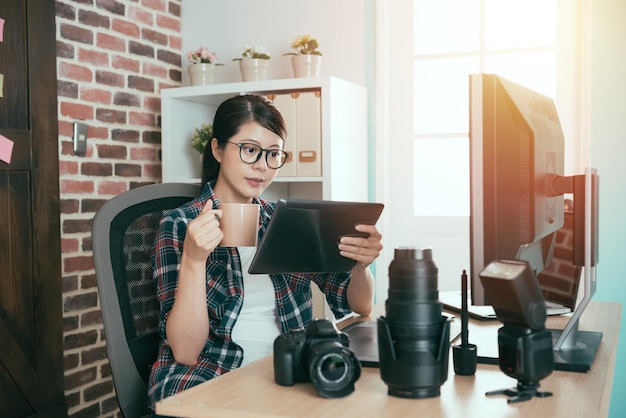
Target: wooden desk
<point>251,391</point>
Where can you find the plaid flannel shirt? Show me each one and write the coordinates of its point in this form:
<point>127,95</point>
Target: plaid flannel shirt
<point>224,297</point>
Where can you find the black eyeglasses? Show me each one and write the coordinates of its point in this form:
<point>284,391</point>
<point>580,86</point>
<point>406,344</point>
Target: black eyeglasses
<point>251,153</point>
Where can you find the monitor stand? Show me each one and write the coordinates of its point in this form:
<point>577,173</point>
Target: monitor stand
<point>577,352</point>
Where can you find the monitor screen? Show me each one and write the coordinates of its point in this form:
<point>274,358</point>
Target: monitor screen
<point>516,151</point>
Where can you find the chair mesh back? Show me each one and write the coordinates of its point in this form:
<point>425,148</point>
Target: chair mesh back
<point>131,239</point>
<point>140,289</point>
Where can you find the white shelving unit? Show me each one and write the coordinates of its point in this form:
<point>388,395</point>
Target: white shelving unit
<point>343,121</point>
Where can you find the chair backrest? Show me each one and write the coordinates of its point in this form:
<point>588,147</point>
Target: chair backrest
<point>123,234</point>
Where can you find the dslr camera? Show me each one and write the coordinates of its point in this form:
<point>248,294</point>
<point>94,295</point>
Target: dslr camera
<point>319,354</point>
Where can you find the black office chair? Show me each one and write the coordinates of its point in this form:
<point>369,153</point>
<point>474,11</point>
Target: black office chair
<point>122,235</point>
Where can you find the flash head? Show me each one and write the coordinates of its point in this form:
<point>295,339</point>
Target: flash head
<point>512,288</point>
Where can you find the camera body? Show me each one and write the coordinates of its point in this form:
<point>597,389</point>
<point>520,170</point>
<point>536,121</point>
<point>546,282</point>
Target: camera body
<point>319,354</point>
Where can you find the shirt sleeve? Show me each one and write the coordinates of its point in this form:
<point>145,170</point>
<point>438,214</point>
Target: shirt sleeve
<point>335,286</point>
<point>166,258</point>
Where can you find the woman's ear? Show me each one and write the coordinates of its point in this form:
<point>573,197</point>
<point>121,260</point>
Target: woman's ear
<point>216,150</point>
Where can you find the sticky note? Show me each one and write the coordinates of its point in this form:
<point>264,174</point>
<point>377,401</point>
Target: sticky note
<point>1,29</point>
<point>6,149</point>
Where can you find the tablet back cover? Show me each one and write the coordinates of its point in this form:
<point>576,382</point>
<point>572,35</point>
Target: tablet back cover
<point>303,235</point>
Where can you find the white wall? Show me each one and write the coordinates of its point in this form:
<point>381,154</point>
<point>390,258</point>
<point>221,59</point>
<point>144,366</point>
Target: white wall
<point>608,148</point>
<point>225,26</point>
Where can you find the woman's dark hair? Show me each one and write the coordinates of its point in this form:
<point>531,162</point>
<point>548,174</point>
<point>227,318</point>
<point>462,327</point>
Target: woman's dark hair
<point>230,116</point>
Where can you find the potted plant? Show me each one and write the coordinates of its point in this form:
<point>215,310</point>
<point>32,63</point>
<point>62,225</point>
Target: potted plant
<point>306,59</point>
<point>253,63</point>
<point>201,137</point>
<point>202,66</point>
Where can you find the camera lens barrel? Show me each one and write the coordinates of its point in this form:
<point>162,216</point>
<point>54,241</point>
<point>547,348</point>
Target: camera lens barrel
<point>413,338</point>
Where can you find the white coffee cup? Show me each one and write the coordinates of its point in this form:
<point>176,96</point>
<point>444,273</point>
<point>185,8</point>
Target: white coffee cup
<point>239,224</point>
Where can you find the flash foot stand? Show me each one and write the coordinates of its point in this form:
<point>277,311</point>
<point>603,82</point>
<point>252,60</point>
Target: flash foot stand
<point>523,392</point>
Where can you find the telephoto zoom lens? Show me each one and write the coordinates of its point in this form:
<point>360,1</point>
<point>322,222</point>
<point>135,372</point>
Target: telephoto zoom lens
<point>414,337</point>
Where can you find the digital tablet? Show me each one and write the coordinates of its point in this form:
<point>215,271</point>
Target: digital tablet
<point>303,235</point>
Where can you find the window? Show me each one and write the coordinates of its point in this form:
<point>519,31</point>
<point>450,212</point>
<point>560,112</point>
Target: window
<point>452,39</point>
<point>426,50</point>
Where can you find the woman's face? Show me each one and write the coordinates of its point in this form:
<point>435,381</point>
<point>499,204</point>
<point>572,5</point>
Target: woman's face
<point>239,182</point>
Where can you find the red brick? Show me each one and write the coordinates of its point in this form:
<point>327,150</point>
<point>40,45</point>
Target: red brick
<point>151,137</point>
<point>174,9</point>
<point>111,116</point>
<point>76,264</point>
<point>75,33</point>
<point>141,83</point>
<point>91,318</point>
<point>81,377</point>
<point>69,245</point>
<point>68,167</point>
<point>96,169</point>
<point>74,72</point>
<point>141,15</point>
<point>69,206</point>
<point>156,70</point>
<point>112,151</point>
<point>143,153</point>
<point>175,75</point>
<point>124,63</point>
<point>158,5</point>
<point>77,110</point>
<point>65,11</point>
<point>76,186</point>
<point>98,132</point>
<point>167,22</point>
<point>152,103</point>
<point>154,36</point>
<point>112,187</point>
<point>86,246</point>
<point>123,98</point>
<point>91,18</point>
<point>144,119</point>
<point>125,135</point>
<point>128,170</point>
<point>88,281</point>
<point>166,86</point>
<point>67,89</point>
<point>112,43</point>
<point>97,58</point>
<point>66,128</point>
<point>125,27</point>
<point>95,95</point>
<point>109,78</point>
<point>169,57</point>
<point>176,42</point>
<point>152,171</point>
<point>112,6</point>
<point>67,148</point>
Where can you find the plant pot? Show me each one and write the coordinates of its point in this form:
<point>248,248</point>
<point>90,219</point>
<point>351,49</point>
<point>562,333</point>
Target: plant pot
<point>201,74</point>
<point>306,65</point>
<point>253,69</point>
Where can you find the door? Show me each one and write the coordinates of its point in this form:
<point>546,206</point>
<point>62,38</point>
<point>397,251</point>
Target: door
<point>31,333</point>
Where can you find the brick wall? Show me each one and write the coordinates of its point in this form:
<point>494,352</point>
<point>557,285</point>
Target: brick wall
<point>113,59</point>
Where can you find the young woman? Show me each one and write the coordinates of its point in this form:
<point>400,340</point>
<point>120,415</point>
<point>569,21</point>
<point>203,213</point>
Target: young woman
<point>215,316</point>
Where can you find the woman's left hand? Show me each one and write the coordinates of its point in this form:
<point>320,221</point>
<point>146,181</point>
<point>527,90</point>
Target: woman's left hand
<point>363,250</point>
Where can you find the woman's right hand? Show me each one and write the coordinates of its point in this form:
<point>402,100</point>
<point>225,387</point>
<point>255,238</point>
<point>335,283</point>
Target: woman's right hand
<point>203,234</point>
<point>187,325</point>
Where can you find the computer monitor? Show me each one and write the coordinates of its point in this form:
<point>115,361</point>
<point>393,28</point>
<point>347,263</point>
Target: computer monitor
<point>517,188</point>
<point>516,146</point>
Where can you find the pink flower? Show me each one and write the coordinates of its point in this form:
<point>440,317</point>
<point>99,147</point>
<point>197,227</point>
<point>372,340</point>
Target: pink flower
<point>201,55</point>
